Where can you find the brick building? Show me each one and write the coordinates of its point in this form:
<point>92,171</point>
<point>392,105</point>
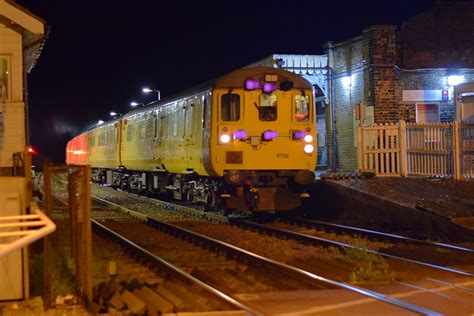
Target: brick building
<point>389,74</point>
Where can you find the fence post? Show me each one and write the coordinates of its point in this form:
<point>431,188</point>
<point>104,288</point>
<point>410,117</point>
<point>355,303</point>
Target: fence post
<point>402,147</point>
<point>457,153</point>
<point>360,150</point>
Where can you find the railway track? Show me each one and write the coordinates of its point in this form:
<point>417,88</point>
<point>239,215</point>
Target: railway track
<point>265,265</point>
<point>297,229</point>
<point>445,284</point>
<point>369,234</point>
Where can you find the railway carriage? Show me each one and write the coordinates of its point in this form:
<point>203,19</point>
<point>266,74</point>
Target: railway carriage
<point>245,141</point>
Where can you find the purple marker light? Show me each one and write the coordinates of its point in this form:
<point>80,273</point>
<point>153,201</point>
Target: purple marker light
<point>240,134</point>
<point>269,87</point>
<point>270,135</point>
<point>298,135</point>
<point>252,84</point>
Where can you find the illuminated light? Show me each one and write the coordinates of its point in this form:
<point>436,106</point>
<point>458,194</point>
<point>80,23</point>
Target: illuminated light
<point>225,138</point>
<point>100,122</point>
<point>31,150</point>
<point>454,80</point>
<point>269,87</point>
<point>346,81</point>
<point>252,84</point>
<point>114,113</point>
<point>298,135</point>
<point>270,135</point>
<point>308,148</point>
<point>240,134</point>
<point>147,90</point>
<point>134,104</point>
<point>308,138</point>
<point>271,78</point>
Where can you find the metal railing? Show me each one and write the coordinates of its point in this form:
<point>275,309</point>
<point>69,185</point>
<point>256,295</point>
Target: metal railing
<point>21,230</point>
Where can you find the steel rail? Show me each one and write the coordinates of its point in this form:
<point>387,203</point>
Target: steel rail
<point>155,260</point>
<point>368,233</point>
<point>287,269</point>
<point>322,241</point>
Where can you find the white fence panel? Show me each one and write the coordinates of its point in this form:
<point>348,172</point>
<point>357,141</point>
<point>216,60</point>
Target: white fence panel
<point>429,149</point>
<point>379,149</point>
<point>466,150</point>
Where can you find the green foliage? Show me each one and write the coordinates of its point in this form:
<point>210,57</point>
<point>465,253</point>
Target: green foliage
<point>63,279</point>
<point>36,275</point>
<point>368,267</point>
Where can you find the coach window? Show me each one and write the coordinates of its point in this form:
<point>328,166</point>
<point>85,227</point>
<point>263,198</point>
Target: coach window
<point>267,109</point>
<point>301,108</point>
<point>141,130</point>
<point>4,78</point>
<point>230,107</point>
<point>150,127</point>
<point>129,132</point>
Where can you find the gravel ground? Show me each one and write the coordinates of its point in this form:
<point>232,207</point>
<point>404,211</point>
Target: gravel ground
<point>445,197</point>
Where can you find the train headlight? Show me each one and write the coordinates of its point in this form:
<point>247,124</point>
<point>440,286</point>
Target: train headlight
<point>269,135</point>
<point>308,148</point>
<point>240,134</point>
<point>308,138</point>
<point>225,138</point>
<point>298,135</point>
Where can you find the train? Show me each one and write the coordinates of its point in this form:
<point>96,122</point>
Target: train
<point>243,142</point>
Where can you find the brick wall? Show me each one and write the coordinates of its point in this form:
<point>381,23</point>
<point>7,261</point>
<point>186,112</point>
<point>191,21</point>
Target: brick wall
<point>438,38</point>
<point>384,62</point>
<point>435,79</point>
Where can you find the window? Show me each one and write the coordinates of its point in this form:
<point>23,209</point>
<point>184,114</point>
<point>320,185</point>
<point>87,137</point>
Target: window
<point>102,139</point>
<point>142,129</point>
<point>92,141</point>
<point>4,75</point>
<point>302,108</point>
<point>230,107</point>
<point>129,132</point>
<point>150,128</point>
<point>267,109</point>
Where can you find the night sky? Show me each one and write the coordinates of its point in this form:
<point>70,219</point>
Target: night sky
<point>99,54</point>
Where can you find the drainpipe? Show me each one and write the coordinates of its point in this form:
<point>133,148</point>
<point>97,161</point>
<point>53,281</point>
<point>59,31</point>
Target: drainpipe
<point>333,108</point>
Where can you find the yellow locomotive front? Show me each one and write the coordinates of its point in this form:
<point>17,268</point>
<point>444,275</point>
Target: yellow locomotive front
<point>263,138</point>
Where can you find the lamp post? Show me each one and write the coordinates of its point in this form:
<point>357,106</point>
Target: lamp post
<point>134,104</point>
<point>148,90</point>
<point>115,114</point>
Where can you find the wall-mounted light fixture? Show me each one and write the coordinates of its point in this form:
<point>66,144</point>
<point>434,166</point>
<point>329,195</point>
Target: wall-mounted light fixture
<point>454,80</point>
<point>346,81</point>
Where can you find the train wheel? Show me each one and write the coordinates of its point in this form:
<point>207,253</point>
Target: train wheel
<point>210,201</point>
<point>190,196</point>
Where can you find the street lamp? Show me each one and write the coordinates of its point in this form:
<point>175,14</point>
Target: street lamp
<point>134,104</point>
<point>114,114</point>
<point>148,90</point>
<point>100,122</point>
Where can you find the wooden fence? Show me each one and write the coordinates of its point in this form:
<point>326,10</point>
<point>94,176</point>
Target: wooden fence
<point>379,149</point>
<point>424,149</point>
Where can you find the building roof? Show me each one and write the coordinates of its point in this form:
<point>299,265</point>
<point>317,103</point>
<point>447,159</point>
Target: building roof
<point>26,23</point>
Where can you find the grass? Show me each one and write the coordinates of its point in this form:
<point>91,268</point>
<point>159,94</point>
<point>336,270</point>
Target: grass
<point>63,280</point>
<point>368,268</point>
